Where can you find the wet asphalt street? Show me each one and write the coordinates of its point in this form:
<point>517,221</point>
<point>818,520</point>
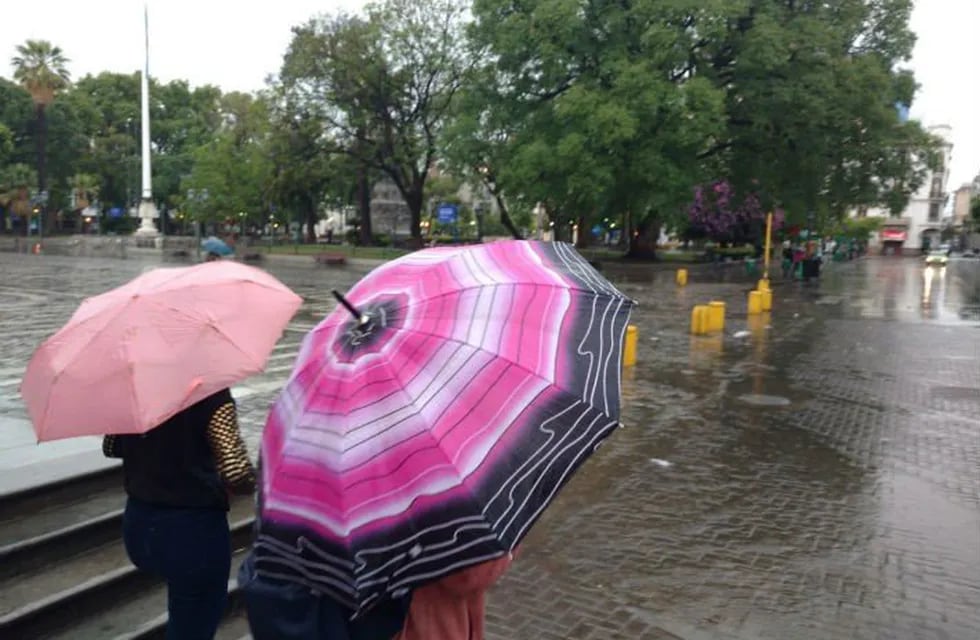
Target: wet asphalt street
<point>813,473</point>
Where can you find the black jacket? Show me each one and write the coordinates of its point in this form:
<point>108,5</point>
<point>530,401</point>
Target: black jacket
<point>190,461</point>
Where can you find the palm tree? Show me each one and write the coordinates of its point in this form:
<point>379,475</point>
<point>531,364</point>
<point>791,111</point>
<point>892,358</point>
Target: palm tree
<point>15,183</point>
<point>85,188</point>
<point>42,69</point>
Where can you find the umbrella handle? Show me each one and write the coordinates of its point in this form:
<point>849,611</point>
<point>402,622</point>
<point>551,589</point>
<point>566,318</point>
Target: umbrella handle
<point>361,318</point>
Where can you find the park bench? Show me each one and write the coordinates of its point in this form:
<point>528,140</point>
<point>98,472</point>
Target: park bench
<point>333,259</point>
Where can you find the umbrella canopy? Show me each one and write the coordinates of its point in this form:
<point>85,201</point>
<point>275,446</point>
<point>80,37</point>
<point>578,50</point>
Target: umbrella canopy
<point>425,428</point>
<point>216,246</point>
<point>130,358</point>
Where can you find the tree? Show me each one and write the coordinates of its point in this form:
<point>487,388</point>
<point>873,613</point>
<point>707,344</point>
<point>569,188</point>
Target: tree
<point>85,189</point>
<point>303,169</point>
<point>859,229</point>
<point>383,86</point>
<point>975,213</point>
<point>183,119</point>
<point>109,110</point>
<point>17,116</point>
<point>475,143</point>
<point>236,165</point>
<point>16,181</point>
<point>67,138</point>
<point>42,69</point>
<point>810,93</point>
<point>718,212</point>
<point>609,119</point>
<point>6,144</point>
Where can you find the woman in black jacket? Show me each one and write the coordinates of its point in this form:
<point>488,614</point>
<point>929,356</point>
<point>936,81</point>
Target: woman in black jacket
<point>178,478</point>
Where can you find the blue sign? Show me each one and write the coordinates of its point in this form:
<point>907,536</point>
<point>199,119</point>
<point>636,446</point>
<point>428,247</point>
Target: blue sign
<point>115,212</point>
<point>448,213</point>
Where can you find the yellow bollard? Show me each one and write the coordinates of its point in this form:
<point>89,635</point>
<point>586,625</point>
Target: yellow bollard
<point>763,285</point>
<point>699,320</point>
<point>716,316</point>
<point>681,277</point>
<point>755,302</point>
<point>766,300</point>
<point>629,349</point>
<point>757,324</point>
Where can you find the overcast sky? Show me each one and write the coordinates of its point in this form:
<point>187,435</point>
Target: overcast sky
<point>235,44</point>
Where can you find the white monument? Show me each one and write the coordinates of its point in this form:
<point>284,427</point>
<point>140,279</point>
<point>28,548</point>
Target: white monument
<point>147,210</point>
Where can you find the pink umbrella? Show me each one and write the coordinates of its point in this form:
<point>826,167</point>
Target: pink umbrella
<point>431,419</point>
<point>130,358</point>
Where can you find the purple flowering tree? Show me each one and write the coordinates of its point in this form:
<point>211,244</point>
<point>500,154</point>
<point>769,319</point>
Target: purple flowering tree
<point>718,213</point>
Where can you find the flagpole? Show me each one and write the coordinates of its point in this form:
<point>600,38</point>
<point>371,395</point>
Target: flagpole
<point>145,105</point>
<point>147,210</point>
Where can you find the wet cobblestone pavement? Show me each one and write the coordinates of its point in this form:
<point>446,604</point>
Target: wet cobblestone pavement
<point>814,473</point>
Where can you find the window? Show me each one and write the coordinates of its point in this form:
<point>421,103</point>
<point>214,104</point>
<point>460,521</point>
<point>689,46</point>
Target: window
<point>934,212</point>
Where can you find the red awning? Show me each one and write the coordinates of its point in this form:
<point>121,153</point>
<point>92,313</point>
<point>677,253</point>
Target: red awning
<point>893,235</point>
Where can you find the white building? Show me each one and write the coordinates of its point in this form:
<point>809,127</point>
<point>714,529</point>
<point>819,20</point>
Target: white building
<point>921,223</point>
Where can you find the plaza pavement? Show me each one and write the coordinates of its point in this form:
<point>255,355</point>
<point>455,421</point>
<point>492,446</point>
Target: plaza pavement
<point>812,473</point>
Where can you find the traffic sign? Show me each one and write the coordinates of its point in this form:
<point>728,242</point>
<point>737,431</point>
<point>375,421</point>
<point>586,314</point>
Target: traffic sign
<point>448,213</point>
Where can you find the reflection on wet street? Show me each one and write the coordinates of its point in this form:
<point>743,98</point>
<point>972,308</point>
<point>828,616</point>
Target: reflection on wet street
<point>817,476</point>
<point>812,473</point>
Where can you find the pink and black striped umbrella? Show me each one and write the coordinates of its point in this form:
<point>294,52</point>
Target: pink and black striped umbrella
<point>432,417</point>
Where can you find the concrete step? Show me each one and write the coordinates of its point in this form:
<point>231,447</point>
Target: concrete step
<point>93,590</point>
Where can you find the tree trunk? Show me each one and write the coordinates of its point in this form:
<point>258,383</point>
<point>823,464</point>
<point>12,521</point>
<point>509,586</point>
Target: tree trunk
<point>555,227</point>
<point>364,206</point>
<point>311,220</point>
<point>643,243</point>
<point>415,199</point>
<point>41,143</point>
<point>505,217</point>
<point>582,241</point>
<point>626,234</point>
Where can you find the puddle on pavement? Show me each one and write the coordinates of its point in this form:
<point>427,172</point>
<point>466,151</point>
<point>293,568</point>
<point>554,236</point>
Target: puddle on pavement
<point>956,394</point>
<point>764,387</point>
<point>914,509</point>
<point>763,400</point>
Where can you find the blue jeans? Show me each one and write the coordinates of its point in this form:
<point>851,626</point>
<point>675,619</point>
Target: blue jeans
<point>191,550</point>
<point>280,610</point>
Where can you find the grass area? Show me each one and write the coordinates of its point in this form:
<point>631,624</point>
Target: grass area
<point>351,251</point>
<point>617,254</point>
<point>678,256</point>
<point>389,253</point>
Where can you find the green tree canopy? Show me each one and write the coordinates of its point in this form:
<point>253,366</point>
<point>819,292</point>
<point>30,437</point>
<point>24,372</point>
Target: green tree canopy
<point>610,116</point>
<point>382,86</point>
<point>810,95</point>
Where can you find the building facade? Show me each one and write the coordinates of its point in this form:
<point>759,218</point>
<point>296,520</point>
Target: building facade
<point>920,225</point>
<point>961,204</point>
<point>390,214</point>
